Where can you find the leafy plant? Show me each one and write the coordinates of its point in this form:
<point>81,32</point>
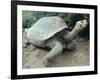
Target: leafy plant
<point>30,17</point>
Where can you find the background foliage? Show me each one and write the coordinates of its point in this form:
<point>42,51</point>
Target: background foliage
<point>30,17</point>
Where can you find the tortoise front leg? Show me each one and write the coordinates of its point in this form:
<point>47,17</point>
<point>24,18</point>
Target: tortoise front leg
<point>57,48</point>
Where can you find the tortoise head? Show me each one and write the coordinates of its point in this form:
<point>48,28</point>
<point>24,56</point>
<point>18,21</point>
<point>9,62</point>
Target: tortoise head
<point>81,25</point>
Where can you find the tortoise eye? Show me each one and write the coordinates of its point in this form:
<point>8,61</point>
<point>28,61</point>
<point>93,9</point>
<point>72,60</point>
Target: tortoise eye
<point>82,22</point>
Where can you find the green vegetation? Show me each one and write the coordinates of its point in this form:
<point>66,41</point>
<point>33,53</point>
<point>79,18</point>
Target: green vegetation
<point>30,17</point>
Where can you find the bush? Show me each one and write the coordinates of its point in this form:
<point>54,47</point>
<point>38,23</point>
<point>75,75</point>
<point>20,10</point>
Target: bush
<point>30,17</point>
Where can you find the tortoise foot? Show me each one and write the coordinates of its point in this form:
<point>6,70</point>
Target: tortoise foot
<point>46,62</point>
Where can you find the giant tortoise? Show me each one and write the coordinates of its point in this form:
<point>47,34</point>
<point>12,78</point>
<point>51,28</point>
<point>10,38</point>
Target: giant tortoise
<point>52,32</point>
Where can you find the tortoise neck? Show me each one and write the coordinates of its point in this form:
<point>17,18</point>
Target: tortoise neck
<point>71,34</point>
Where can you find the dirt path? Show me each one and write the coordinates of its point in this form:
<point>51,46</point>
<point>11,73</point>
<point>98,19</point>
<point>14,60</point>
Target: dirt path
<point>32,57</point>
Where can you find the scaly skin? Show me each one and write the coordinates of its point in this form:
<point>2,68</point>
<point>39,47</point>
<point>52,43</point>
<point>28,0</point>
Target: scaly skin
<point>57,47</point>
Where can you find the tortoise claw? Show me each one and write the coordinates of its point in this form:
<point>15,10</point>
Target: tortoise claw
<point>45,62</point>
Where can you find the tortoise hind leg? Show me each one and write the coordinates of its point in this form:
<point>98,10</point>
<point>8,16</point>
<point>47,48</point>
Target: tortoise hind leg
<point>57,48</point>
<point>71,45</point>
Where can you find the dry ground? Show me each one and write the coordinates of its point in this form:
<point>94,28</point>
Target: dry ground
<point>32,56</point>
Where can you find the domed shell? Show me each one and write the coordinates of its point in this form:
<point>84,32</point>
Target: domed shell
<point>44,29</point>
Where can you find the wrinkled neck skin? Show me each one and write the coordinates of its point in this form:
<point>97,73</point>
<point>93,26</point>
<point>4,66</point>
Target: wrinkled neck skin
<point>71,35</point>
